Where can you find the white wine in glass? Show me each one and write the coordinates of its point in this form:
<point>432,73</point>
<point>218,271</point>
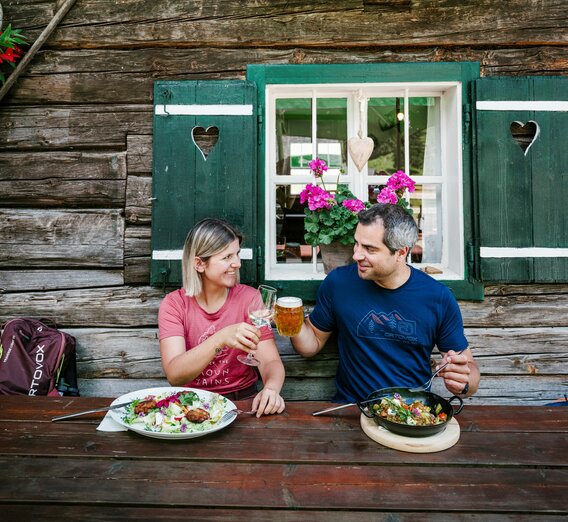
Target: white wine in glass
<point>260,312</point>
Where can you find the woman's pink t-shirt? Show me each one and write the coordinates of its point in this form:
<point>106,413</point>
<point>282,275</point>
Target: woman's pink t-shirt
<point>180,315</point>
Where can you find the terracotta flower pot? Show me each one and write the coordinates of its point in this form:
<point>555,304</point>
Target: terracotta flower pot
<point>334,255</point>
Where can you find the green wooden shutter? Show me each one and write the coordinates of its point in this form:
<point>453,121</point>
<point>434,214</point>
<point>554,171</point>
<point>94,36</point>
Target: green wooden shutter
<point>188,185</point>
<point>523,192</point>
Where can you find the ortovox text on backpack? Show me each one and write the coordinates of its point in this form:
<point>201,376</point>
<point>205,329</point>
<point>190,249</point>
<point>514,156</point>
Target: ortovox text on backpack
<point>36,359</point>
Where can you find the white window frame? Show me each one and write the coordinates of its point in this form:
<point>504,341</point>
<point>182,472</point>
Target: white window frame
<point>452,265</point>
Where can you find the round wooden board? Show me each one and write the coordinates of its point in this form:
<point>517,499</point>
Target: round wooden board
<point>439,442</point>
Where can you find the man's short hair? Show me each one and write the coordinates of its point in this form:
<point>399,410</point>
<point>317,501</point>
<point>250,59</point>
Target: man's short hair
<point>400,228</point>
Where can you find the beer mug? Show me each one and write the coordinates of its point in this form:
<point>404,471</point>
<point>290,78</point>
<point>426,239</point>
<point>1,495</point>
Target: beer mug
<point>289,315</point>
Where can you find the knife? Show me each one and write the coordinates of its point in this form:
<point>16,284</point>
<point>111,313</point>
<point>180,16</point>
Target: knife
<point>343,406</point>
<point>87,412</point>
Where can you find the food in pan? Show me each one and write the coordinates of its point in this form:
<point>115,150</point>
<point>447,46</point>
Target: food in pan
<point>395,409</point>
<point>179,412</point>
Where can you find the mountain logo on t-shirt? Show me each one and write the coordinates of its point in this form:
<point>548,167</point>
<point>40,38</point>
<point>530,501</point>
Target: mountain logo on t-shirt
<point>392,325</point>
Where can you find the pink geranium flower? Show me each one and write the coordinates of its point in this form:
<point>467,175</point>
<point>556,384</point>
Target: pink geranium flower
<point>318,167</point>
<point>354,205</point>
<point>316,197</point>
<point>387,195</point>
<point>400,181</point>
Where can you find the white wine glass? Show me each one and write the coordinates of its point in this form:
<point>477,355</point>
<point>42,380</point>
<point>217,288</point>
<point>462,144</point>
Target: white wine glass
<point>260,312</point>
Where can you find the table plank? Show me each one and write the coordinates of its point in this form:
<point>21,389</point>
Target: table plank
<point>51,513</point>
<point>307,486</point>
<point>298,414</point>
<point>239,442</point>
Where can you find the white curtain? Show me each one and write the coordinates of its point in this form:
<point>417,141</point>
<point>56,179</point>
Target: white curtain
<point>431,222</point>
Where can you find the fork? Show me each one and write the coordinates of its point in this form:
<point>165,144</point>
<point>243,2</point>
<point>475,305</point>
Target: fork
<point>228,415</point>
<point>428,383</point>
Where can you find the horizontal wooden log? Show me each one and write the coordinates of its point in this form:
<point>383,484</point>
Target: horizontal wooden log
<point>137,241</point>
<point>61,166</point>
<point>138,202</point>
<point>112,352</point>
<point>139,154</point>
<point>66,238</point>
<point>33,280</point>
<point>228,23</point>
<point>526,289</point>
<point>116,387</point>
<point>124,306</point>
<point>137,271</point>
<point>137,255</point>
<point>118,353</point>
<point>506,312</point>
<point>63,179</point>
<point>89,76</point>
<point>85,127</point>
<point>530,391</point>
<point>517,311</point>
<point>64,193</point>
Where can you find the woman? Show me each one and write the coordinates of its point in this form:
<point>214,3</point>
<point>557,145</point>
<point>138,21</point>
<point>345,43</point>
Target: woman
<point>202,326</point>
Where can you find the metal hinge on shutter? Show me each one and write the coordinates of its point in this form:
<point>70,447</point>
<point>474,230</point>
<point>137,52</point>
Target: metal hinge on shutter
<point>470,260</point>
<point>260,123</point>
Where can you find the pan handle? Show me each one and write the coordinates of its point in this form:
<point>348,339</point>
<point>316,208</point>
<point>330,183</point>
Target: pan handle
<point>460,407</point>
<point>363,408</point>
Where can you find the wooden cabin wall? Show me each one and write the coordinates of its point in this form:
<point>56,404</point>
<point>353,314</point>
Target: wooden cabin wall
<point>76,164</point>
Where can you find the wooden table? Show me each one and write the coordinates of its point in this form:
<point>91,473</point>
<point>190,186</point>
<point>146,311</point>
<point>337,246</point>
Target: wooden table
<point>510,462</point>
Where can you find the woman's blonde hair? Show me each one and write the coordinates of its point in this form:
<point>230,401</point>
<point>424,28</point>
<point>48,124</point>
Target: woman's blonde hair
<point>207,238</point>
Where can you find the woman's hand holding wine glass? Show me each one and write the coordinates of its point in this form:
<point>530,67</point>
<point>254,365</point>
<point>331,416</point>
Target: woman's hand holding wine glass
<point>260,312</point>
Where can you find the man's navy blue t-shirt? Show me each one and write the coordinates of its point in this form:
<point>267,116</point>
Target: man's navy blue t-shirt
<point>386,337</point>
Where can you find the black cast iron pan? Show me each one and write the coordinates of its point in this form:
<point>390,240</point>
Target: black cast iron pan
<point>428,398</point>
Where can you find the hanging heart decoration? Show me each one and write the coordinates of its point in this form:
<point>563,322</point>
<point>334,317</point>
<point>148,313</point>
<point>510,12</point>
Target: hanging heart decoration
<point>525,134</point>
<point>360,150</point>
<point>205,139</point>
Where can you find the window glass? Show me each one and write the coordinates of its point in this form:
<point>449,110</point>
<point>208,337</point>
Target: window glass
<point>426,203</point>
<point>386,128</point>
<point>425,142</point>
<point>290,244</point>
<point>332,133</point>
<point>293,136</point>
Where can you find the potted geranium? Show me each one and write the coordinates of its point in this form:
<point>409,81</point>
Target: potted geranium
<point>10,50</point>
<point>331,218</point>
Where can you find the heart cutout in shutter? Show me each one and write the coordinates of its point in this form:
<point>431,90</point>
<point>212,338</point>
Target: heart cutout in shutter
<point>360,150</point>
<point>525,134</point>
<point>205,139</point>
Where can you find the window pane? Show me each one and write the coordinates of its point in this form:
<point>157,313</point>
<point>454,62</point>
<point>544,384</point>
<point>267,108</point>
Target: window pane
<point>293,135</point>
<point>426,202</point>
<point>290,244</point>
<point>386,128</point>
<point>332,132</point>
<point>424,129</point>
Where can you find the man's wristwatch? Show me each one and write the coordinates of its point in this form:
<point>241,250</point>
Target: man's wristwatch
<point>465,389</point>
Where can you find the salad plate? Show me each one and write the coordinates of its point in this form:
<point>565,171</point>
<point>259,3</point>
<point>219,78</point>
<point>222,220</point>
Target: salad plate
<point>168,421</point>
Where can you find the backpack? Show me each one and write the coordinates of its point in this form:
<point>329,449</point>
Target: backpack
<point>36,359</point>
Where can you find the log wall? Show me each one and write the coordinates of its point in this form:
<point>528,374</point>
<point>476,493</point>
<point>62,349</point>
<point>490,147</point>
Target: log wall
<point>76,164</point>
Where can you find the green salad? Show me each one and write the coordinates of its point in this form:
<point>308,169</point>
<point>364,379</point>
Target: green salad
<point>179,412</point>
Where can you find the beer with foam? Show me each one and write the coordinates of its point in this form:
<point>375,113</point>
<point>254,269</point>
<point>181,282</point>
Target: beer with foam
<point>289,315</point>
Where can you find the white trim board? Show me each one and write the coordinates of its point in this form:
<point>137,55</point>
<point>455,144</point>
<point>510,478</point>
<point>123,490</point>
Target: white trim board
<point>203,110</point>
<point>549,106</point>
<point>176,255</point>
<point>502,252</point>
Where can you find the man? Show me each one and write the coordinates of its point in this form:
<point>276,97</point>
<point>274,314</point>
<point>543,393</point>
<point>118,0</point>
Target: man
<point>388,315</point>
